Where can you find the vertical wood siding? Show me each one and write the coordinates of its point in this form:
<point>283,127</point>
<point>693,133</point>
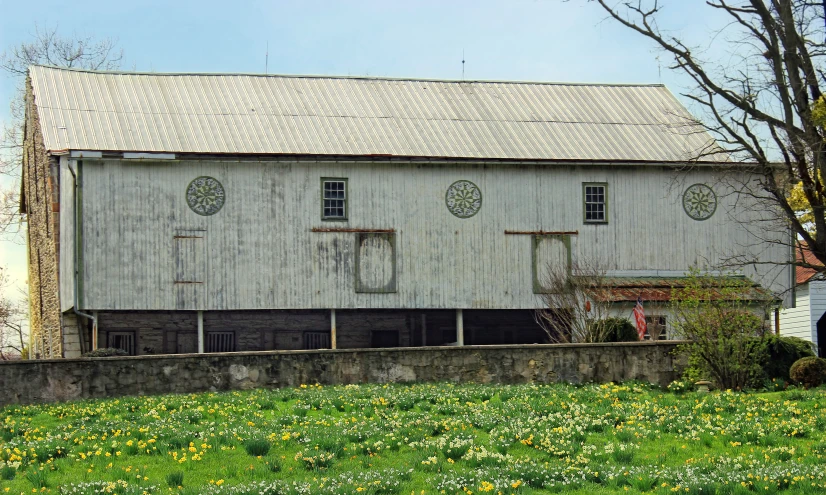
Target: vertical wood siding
<point>375,262</point>
<point>191,267</point>
<point>67,236</point>
<point>550,253</point>
<point>259,251</point>
<point>817,304</point>
<point>797,321</point>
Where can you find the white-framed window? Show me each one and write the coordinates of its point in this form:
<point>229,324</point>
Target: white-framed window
<point>333,199</point>
<point>595,201</point>
<point>123,340</point>
<point>655,327</point>
<point>220,342</point>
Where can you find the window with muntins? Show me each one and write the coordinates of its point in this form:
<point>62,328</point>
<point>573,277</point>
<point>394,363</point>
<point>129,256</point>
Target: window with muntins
<point>596,207</point>
<point>334,199</point>
<point>655,328</point>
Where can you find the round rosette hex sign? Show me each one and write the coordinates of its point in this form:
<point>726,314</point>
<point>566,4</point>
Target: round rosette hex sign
<point>463,198</point>
<point>205,196</point>
<point>699,202</point>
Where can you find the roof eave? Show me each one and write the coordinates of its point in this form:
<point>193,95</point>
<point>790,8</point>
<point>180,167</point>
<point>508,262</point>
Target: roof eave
<point>190,155</point>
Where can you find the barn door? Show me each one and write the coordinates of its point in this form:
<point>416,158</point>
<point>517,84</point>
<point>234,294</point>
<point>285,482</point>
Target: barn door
<point>375,262</point>
<point>551,253</point>
<point>190,268</point>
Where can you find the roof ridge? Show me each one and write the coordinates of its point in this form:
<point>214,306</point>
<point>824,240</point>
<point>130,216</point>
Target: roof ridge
<point>365,78</point>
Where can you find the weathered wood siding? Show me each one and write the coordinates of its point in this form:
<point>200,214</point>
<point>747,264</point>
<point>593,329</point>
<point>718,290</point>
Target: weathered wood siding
<point>259,251</point>
<point>67,236</point>
<point>810,305</point>
<point>817,305</point>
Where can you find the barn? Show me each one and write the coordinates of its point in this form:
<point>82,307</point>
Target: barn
<point>182,213</point>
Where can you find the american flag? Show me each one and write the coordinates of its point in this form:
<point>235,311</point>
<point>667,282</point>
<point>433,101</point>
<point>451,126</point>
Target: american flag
<point>639,317</point>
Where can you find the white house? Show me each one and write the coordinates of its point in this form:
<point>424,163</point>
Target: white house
<point>807,317</point>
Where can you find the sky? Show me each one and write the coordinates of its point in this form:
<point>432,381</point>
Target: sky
<point>526,40</point>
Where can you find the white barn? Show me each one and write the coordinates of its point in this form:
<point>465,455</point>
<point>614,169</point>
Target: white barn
<point>217,212</point>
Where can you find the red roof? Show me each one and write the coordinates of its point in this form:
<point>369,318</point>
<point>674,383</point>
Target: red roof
<point>660,289</point>
<point>805,273</point>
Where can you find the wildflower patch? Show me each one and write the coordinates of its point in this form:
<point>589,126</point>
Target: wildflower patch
<point>423,439</point>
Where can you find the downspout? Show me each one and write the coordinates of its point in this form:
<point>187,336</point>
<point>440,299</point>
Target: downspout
<point>77,270</point>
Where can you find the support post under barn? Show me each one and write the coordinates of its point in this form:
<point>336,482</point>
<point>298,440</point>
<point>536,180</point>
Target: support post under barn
<point>200,332</point>
<point>95,330</point>
<point>460,328</point>
<point>333,329</point>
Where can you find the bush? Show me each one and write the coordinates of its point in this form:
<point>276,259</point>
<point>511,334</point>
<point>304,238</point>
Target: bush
<point>679,387</point>
<point>810,371</point>
<point>724,333</point>
<point>7,473</point>
<point>106,352</point>
<point>257,447</point>
<point>782,352</point>
<point>175,479</point>
<point>273,464</point>
<point>620,330</point>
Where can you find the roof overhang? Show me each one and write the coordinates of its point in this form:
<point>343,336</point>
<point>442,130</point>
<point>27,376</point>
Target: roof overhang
<point>669,289</point>
<point>383,158</point>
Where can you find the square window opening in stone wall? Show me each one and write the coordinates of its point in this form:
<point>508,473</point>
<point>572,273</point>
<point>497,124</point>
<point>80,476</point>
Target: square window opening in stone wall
<point>220,342</point>
<point>122,340</point>
<point>384,338</point>
<point>316,340</point>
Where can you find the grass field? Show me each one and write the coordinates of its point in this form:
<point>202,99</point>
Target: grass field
<point>426,438</point>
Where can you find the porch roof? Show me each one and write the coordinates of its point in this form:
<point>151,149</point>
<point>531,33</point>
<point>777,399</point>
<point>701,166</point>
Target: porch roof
<point>665,289</point>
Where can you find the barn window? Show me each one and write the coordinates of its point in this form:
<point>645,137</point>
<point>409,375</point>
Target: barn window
<point>655,328</point>
<point>316,340</point>
<point>334,199</point>
<point>123,340</point>
<point>220,342</point>
<point>596,202</point>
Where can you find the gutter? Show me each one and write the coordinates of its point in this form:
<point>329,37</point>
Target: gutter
<point>76,249</point>
<point>380,158</point>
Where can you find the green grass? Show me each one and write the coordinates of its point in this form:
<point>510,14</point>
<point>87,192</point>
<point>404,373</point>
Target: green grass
<point>427,438</point>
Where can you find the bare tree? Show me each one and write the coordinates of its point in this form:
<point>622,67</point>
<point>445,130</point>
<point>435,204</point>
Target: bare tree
<point>575,303</point>
<point>764,104</point>
<point>13,316</point>
<point>46,48</point>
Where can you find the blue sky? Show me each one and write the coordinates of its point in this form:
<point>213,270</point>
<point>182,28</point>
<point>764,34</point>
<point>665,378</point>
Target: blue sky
<point>536,40</point>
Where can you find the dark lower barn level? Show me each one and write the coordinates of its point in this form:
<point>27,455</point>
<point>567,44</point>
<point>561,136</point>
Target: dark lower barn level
<point>176,332</point>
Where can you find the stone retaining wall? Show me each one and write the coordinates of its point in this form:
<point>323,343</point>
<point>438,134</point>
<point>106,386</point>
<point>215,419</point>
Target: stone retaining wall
<point>71,379</point>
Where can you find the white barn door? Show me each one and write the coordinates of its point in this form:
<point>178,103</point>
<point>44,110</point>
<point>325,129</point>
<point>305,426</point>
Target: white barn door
<point>189,254</point>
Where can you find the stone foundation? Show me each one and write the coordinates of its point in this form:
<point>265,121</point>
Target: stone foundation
<point>72,379</point>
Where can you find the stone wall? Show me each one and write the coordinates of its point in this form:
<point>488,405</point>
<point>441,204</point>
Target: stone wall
<point>42,207</point>
<point>70,379</point>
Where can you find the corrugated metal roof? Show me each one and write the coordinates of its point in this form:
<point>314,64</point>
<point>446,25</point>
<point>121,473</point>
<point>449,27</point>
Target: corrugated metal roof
<point>320,115</point>
<point>653,289</point>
